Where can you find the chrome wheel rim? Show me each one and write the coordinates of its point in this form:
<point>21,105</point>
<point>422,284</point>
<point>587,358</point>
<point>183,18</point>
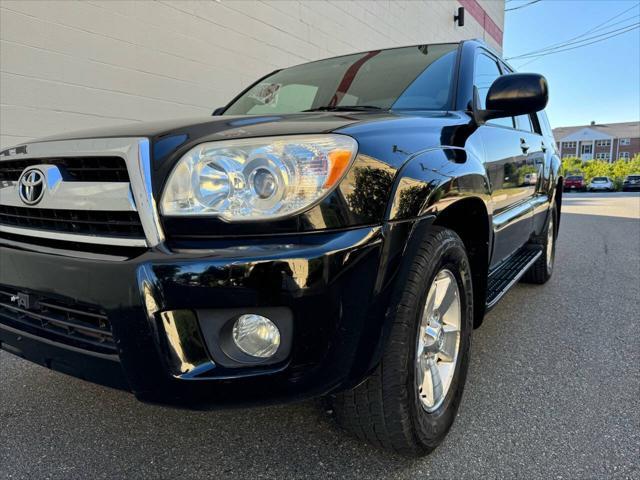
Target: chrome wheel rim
<point>438,341</point>
<point>550,245</point>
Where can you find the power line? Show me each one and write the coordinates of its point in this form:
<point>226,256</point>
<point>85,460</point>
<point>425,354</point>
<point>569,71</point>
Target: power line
<point>522,6</point>
<point>569,42</point>
<point>581,42</point>
<point>591,30</point>
<point>566,44</point>
<point>631,28</point>
<point>607,21</point>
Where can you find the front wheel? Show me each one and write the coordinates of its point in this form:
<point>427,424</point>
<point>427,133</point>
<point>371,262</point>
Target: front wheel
<point>409,402</point>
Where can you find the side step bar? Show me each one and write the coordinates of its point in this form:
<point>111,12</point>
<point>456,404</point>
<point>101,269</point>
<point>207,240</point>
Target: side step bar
<point>507,274</point>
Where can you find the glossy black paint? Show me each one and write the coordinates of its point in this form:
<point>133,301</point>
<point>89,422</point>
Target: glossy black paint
<point>337,286</point>
<point>337,267</point>
<point>516,94</point>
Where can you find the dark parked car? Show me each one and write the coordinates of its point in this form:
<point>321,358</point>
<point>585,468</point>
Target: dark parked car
<point>631,183</point>
<point>575,182</point>
<point>336,230</point>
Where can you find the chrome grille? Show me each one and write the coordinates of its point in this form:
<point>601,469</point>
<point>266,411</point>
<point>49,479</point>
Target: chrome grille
<point>86,222</point>
<point>97,192</point>
<point>80,169</point>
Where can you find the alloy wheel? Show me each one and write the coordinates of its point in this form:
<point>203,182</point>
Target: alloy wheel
<point>438,341</point>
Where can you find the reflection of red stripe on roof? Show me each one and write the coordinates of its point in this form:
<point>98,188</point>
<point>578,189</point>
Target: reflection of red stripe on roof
<point>479,13</point>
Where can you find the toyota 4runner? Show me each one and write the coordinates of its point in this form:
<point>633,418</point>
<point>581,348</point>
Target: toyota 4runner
<point>338,229</point>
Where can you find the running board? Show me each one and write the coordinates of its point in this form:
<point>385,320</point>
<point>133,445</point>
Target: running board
<point>509,272</point>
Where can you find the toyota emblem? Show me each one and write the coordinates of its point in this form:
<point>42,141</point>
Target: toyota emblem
<point>31,186</point>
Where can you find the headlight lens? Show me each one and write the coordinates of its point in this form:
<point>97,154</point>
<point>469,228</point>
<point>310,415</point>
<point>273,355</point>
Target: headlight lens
<point>256,335</point>
<point>258,178</point>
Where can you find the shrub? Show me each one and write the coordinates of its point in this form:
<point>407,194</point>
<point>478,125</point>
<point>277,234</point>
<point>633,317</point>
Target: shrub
<point>600,168</point>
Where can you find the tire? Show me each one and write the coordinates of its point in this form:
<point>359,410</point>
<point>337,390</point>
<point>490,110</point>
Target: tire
<point>386,409</point>
<point>540,272</point>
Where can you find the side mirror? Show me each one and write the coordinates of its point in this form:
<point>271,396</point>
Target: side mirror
<point>218,111</point>
<point>512,95</point>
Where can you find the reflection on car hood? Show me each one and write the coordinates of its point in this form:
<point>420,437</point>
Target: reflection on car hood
<point>224,127</point>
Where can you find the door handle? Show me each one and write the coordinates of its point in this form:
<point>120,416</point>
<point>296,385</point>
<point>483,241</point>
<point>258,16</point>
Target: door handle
<point>524,145</point>
<point>543,147</point>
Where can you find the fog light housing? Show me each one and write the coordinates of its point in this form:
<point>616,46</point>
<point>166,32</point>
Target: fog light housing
<point>256,335</point>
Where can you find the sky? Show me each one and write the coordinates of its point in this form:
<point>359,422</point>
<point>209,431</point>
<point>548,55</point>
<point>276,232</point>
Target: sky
<point>598,82</point>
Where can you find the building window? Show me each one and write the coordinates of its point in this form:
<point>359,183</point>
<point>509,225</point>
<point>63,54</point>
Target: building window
<point>603,143</point>
<point>602,156</point>
<point>568,155</point>
<point>569,145</point>
<point>625,155</point>
<point>625,141</point>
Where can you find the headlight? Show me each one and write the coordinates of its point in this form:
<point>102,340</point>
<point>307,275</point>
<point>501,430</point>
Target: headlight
<point>257,178</point>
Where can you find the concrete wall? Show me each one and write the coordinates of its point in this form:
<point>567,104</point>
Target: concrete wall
<point>68,65</point>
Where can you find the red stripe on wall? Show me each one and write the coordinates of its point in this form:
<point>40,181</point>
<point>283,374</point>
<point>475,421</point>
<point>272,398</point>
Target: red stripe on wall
<point>479,13</point>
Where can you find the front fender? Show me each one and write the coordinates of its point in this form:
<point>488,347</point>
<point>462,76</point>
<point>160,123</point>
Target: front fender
<point>434,179</point>
<point>425,186</point>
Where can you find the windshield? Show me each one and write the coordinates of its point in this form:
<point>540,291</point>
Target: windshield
<point>418,77</point>
<point>600,179</point>
<point>574,178</point>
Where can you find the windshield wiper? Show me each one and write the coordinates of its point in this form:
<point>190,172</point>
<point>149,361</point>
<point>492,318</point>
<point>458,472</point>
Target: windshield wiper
<point>344,108</point>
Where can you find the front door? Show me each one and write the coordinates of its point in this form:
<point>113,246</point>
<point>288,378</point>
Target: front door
<point>507,162</point>
<point>586,151</point>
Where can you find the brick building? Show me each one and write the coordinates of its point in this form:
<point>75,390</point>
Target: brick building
<point>599,141</point>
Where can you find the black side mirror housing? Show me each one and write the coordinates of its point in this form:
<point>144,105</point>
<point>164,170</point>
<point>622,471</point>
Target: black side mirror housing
<point>512,95</point>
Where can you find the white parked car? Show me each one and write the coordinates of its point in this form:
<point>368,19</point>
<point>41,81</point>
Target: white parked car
<point>601,183</point>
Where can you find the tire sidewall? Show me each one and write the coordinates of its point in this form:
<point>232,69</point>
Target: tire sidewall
<point>552,217</point>
<point>431,427</point>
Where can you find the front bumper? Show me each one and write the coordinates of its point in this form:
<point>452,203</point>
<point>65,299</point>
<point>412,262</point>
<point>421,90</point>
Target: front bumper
<point>335,284</point>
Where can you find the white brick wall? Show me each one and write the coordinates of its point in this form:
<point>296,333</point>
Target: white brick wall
<point>67,65</point>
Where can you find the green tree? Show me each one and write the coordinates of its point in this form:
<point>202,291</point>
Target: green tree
<point>596,168</point>
<point>571,165</point>
<point>600,168</point>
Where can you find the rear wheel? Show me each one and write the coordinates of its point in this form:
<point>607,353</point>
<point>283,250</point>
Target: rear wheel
<point>410,400</point>
<point>540,272</point>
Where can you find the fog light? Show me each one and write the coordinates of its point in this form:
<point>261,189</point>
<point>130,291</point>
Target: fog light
<point>256,335</point>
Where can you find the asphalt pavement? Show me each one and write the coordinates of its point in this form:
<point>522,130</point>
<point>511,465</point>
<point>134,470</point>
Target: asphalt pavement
<point>553,391</point>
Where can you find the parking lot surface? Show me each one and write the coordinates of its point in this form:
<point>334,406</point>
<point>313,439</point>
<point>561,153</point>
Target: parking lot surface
<point>553,392</point>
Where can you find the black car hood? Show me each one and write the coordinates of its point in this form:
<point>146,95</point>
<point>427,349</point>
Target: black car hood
<point>375,132</point>
<point>238,126</point>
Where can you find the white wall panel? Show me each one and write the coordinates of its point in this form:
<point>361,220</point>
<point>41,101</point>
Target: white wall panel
<point>67,65</point>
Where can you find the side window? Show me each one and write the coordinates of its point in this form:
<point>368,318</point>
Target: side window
<point>485,72</point>
<point>529,123</point>
<point>523,122</point>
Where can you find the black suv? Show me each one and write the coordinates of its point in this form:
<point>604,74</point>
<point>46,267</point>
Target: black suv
<point>631,182</point>
<point>338,230</point>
